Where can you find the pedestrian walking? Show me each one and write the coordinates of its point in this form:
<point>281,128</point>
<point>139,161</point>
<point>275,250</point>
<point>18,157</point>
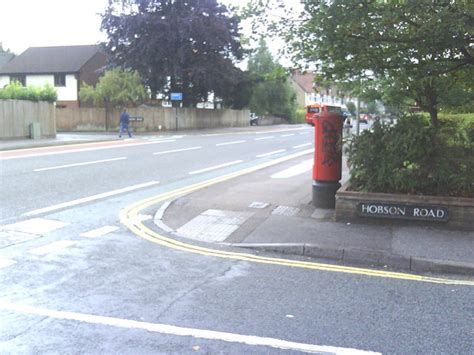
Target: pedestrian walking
<point>124,121</point>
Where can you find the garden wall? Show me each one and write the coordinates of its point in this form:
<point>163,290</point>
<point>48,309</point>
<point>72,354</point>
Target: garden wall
<point>371,207</point>
<point>16,116</point>
<point>154,119</point>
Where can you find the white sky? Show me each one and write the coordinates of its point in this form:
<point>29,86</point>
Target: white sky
<point>37,23</point>
<point>33,23</point>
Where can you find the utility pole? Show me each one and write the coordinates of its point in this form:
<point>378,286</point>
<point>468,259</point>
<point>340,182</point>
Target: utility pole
<point>358,117</point>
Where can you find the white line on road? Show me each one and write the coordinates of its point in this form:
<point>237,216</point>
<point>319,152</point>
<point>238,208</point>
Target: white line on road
<point>45,153</point>
<point>182,331</point>
<point>176,150</point>
<point>215,167</point>
<point>271,153</point>
<point>287,135</point>
<point>162,141</point>
<point>89,199</point>
<point>6,263</point>
<point>302,145</point>
<point>99,232</point>
<point>305,132</point>
<point>298,169</point>
<point>229,143</point>
<point>80,164</point>
<point>281,130</point>
<point>262,138</point>
<point>52,247</point>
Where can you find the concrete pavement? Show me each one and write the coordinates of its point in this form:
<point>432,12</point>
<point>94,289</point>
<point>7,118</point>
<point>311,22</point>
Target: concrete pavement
<point>268,212</point>
<point>271,210</point>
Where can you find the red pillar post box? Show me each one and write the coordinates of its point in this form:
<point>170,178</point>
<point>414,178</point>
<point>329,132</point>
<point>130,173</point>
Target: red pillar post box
<point>327,158</point>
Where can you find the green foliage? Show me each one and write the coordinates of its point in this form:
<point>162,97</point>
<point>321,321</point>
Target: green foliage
<point>117,87</point>
<point>372,107</point>
<point>271,92</point>
<point>352,108</point>
<point>300,116</point>
<point>413,157</point>
<point>177,46</point>
<point>16,91</point>
<point>422,48</point>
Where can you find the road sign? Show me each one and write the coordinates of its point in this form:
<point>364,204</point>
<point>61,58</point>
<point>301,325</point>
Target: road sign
<point>176,96</point>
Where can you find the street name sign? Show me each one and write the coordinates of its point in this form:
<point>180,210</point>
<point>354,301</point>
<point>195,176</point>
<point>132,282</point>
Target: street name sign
<point>401,211</point>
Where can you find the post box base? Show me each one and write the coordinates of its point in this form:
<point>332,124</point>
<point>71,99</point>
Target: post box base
<point>324,193</point>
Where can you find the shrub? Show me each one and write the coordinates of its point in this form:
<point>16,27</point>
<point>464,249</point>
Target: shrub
<point>300,116</point>
<point>15,91</point>
<point>414,157</point>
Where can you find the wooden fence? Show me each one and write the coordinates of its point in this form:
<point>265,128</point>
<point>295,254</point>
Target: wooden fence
<point>16,116</point>
<point>154,119</point>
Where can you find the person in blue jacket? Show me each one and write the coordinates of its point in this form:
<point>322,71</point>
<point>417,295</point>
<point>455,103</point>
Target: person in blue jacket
<point>124,120</point>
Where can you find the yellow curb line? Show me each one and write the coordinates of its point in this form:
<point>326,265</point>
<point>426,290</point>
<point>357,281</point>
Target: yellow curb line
<point>129,217</point>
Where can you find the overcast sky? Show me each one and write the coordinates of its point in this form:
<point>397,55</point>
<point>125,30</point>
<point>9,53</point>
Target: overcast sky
<point>38,23</point>
<point>33,23</point>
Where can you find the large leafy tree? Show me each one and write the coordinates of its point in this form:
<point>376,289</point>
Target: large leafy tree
<point>186,46</point>
<point>271,94</point>
<point>115,87</point>
<point>425,47</point>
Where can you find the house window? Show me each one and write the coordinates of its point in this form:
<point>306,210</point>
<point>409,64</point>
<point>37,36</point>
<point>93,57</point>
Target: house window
<point>18,78</point>
<point>59,79</point>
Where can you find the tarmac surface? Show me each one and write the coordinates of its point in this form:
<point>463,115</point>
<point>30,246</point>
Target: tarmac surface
<point>263,211</point>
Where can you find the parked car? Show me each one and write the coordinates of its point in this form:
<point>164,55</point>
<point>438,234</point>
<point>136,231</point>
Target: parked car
<point>364,118</point>
<point>253,119</point>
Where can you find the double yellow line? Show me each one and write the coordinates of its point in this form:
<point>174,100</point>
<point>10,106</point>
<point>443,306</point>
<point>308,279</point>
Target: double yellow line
<point>130,217</point>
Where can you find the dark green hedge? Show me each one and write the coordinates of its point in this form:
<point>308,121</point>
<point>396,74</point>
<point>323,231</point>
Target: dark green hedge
<point>413,157</point>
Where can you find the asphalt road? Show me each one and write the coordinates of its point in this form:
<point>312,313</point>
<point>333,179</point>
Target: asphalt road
<point>75,280</point>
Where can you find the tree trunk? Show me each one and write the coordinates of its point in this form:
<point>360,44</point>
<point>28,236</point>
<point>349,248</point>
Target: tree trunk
<point>434,116</point>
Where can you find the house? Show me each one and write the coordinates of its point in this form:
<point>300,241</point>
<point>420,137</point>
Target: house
<point>5,58</point>
<point>307,92</point>
<point>64,67</point>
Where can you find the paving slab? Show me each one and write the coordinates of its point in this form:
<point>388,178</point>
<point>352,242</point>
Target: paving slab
<point>287,222</point>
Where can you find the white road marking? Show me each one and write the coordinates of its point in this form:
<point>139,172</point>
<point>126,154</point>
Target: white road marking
<point>6,262</point>
<point>181,331</point>
<point>262,138</point>
<point>89,199</point>
<point>287,135</point>
<point>215,167</point>
<point>305,132</point>
<point>271,153</point>
<point>229,143</point>
<point>52,247</point>
<point>78,150</point>
<point>99,232</point>
<point>35,226</point>
<point>302,145</point>
<point>281,130</point>
<point>80,164</point>
<point>176,150</point>
<point>162,141</point>
<point>295,170</point>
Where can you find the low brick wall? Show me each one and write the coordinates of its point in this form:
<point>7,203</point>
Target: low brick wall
<point>154,119</point>
<point>460,210</point>
<point>17,115</point>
